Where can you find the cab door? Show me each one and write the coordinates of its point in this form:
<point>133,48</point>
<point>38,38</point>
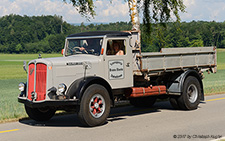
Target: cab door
<point>118,66</point>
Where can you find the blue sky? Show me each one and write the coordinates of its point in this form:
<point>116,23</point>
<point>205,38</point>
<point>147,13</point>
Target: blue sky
<point>205,10</point>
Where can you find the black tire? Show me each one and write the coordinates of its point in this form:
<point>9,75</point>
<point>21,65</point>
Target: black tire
<point>40,114</point>
<point>94,106</point>
<point>190,98</point>
<point>143,101</point>
<point>174,103</point>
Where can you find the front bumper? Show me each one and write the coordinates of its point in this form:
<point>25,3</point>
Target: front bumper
<point>50,103</point>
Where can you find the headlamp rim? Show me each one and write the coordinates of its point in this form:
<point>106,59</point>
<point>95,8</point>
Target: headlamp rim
<point>61,87</point>
<point>22,86</point>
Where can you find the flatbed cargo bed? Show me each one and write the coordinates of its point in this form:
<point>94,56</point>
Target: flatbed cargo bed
<point>176,59</point>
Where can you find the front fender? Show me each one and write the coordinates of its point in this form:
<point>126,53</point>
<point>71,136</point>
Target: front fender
<point>78,87</point>
<point>75,88</point>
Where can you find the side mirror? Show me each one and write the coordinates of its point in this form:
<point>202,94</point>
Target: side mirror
<point>25,66</point>
<point>62,51</point>
<point>130,42</point>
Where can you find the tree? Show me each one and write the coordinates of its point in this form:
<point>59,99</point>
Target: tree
<point>84,7</point>
<point>197,43</point>
<point>154,11</point>
<point>19,48</point>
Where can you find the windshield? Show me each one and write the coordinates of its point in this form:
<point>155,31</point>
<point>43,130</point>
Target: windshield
<point>84,46</point>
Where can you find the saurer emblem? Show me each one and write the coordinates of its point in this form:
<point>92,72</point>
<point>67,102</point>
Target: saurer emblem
<point>31,71</point>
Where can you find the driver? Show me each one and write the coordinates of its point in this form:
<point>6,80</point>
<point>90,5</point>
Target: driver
<point>93,46</point>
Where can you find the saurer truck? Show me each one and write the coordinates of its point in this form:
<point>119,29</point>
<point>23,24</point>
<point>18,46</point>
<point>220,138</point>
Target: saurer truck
<point>91,80</point>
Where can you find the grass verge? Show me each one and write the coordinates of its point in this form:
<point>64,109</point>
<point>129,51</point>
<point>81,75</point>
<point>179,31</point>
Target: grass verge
<point>9,107</point>
<point>214,83</point>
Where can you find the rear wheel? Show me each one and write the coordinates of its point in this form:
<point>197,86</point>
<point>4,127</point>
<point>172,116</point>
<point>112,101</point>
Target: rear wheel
<point>174,103</point>
<point>190,98</point>
<point>94,106</point>
<point>143,101</point>
<point>40,114</point>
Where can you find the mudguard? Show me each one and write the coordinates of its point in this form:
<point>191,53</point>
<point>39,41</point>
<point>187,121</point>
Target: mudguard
<point>175,86</point>
<point>78,87</point>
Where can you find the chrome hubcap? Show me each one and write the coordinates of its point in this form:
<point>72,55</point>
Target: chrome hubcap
<point>97,106</point>
<point>192,92</point>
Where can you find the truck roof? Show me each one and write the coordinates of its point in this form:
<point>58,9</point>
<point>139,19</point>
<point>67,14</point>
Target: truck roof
<point>101,33</point>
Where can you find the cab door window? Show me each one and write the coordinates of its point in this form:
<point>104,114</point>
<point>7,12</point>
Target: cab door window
<point>116,47</point>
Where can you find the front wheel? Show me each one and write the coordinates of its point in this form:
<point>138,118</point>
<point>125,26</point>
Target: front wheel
<point>94,106</point>
<point>40,114</point>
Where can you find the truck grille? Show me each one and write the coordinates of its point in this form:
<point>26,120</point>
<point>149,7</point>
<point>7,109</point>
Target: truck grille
<point>37,81</point>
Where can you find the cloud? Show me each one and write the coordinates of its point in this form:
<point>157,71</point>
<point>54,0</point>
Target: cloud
<point>39,7</point>
<point>189,3</point>
<point>205,10</point>
<point>106,11</point>
<point>116,10</point>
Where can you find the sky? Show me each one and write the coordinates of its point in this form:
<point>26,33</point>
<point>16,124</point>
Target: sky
<point>204,10</point>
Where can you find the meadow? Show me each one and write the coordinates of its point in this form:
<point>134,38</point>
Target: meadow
<point>12,73</point>
<point>11,70</point>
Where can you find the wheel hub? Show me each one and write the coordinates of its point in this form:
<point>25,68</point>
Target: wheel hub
<point>192,93</point>
<point>97,106</point>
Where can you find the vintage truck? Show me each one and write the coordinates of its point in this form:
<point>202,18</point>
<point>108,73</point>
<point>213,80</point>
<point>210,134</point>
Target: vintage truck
<point>90,78</point>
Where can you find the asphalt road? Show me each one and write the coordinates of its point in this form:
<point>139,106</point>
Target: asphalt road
<point>161,122</point>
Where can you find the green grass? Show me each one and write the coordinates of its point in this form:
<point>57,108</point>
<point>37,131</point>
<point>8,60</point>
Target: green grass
<point>12,73</point>
<point>11,65</point>
<point>11,70</point>
<point>215,83</point>
<point>9,107</point>
<point>221,59</point>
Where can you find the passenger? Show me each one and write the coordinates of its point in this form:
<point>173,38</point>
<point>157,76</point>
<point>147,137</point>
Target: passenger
<point>110,50</point>
<point>117,49</point>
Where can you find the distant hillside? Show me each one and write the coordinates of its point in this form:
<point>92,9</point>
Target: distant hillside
<point>86,24</point>
<point>24,34</point>
<point>37,34</point>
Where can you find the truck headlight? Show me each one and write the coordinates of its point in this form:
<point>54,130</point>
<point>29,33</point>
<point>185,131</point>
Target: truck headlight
<point>21,86</point>
<point>62,88</point>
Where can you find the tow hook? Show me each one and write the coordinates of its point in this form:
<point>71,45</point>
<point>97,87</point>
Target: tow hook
<point>33,96</point>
